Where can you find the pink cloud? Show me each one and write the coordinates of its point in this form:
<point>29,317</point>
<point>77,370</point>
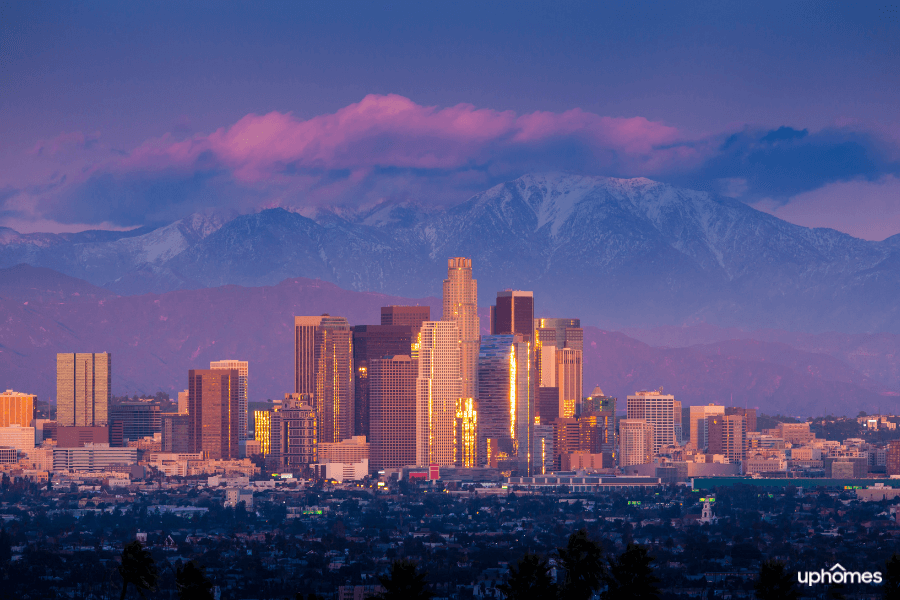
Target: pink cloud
<point>865,209</point>
<point>393,131</point>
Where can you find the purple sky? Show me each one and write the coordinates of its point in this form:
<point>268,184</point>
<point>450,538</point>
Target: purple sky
<point>115,116</point>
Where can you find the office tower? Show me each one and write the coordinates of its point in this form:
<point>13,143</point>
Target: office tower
<point>183,402</point>
<point>546,404</point>
<point>553,337</point>
<point>243,371</point>
<point>748,413</point>
<point>138,418</point>
<point>213,412</point>
<point>506,398</point>
<point>636,442</point>
<point>566,439</point>
<point>658,409</point>
<point>298,434</point>
<point>465,449</point>
<point>513,314</point>
<point>598,433</point>
<point>461,307</point>
<point>371,342</point>
<point>438,387</point>
<point>323,368</point>
<point>77,437</point>
<point>679,432</point>
<point>16,408</point>
<point>728,436</point>
<point>699,423</point>
<point>392,412</point>
<point>598,402</point>
<point>176,432</point>
<point>892,458</point>
<point>544,450</point>
<point>18,437</point>
<point>262,430</point>
<point>82,389</point>
<point>568,380</point>
<point>408,316</point>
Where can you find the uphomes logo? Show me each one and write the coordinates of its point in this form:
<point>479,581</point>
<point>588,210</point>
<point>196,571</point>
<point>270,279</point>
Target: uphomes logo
<point>838,574</point>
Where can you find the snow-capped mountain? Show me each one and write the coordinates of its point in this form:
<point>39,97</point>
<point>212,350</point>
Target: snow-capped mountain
<point>614,252</point>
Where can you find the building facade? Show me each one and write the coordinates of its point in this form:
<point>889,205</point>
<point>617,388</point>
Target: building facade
<point>372,342</point>
<point>658,409</point>
<point>460,306</point>
<point>636,443</point>
<point>392,412</point>
<point>243,369</point>
<point>407,316</point>
<point>139,419</point>
<point>213,412</point>
<point>699,416</point>
<point>438,387</point>
<point>83,384</point>
<point>513,314</point>
<point>16,408</point>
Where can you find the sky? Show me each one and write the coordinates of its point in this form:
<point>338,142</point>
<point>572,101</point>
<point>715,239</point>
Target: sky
<point>120,115</point>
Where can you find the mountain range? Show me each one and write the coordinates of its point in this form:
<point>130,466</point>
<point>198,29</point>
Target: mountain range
<point>156,338</point>
<point>615,252</point>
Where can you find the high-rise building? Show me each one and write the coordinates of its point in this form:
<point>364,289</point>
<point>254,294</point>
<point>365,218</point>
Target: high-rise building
<point>727,435</point>
<point>138,418</point>
<point>243,372</point>
<point>892,458</point>
<point>568,380</point>
<point>599,411</point>
<point>546,404</point>
<point>658,409</point>
<point>566,439</point>
<point>408,316</point>
<point>699,424</point>
<point>513,314</point>
<point>598,402</point>
<point>392,412</point>
<point>461,307</point>
<point>323,368</point>
<point>298,434</point>
<point>18,437</point>
<point>82,389</point>
<point>558,359</point>
<point>544,450</point>
<point>506,398</point>
<point>176,432</point>
<point>679,431</point>
<point>371,342</point>
<point>748,413</point>
<point>465,450</point>
<point>438,387</point>
<point>16,408</point>
<point>183,402</point>
<point>213,412</point>
<point>262,430</point>
<point>636,442</point>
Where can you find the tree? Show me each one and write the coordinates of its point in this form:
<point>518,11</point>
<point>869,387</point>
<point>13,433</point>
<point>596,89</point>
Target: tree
<point>890,587</point>
<point>192,582</point>
<point>405,582</point>
<point>138,569</point>
<point>529,579</point>
<point>775,583</point>
<point>631,576</point>
<point>582,559</point>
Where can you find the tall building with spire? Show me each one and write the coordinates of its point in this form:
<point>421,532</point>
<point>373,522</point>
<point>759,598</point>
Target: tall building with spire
<point>461,307</point>
<point>323,368</point>
<point>438,388</point>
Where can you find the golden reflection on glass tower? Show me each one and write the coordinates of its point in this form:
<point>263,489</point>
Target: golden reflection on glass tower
<point>465,452</point>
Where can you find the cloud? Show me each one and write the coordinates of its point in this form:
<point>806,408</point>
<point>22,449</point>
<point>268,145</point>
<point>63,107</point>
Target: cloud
<point>865,209</point>
<point>387,147</point>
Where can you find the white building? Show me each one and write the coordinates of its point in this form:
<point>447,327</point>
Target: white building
<point>342,472</point>
<point>700,425</point>
<point>438,387</point>
<point>657,409</point>
<point>234,496</point>
<point>18,437</point>
<point>93,458</point>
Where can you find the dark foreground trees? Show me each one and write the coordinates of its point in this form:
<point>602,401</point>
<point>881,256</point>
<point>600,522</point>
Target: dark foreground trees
<point>775,582</point>
<point>631,576</point>
<point>529,580</point>
<point>192,582</point>
<point>584,565</point>
<point>405,582</point>
<point>890,587</point>
<point>137,569</point>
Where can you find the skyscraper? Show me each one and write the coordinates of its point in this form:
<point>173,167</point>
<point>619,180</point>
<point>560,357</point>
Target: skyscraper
<point>438,387</point>
<point>636,442</point>
<point>82,389</point>
<point>699,424</point>
<point>371,342</point>
<point>558,358</point>
<point>243,372</point>
<point>213,412</point>
<point>410,316</point>
<point>748,413</point>
<point>461,307</point>
<point>323,368</point>
<point>16,408</point>
<point>506,399</point>
<point>513,314</point>
<point>658,409</point>
<point>392,412</point>
<point>728,436</point>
